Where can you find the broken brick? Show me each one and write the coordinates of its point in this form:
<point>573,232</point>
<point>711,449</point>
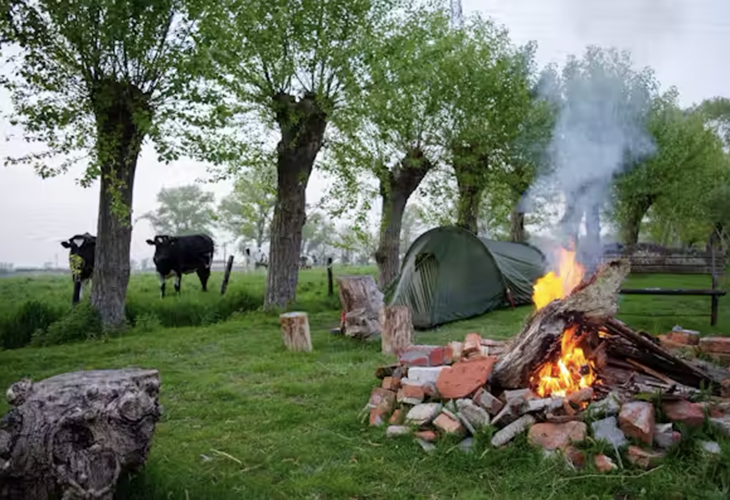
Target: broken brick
<point>397,417</point>
<point>474,415</point>
<point>604,463</point>
<point>472,344</point>
<point>715,345</point>
<point>388,383</point>
<point>381,404</point>
<point>557,436</point>
<point>423,413</point>
<point>411,394</point>
<point>464,377</point>
<point>684,337</point>
<point>424,374</point>
<point>485,399</point>
<point>668,344</point>
<point>686,412</point>
<point>577,398</point>
<point>396,430</point>
<point>448,424</point>
<point>417,355</point>
<point>512,396</point>
<point>637,420</point>
<point>646,459</point>
<point>456,349</point>
<point>428,435</point>
<point>575,456</point>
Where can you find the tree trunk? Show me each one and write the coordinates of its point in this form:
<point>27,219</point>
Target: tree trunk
<point>396,186</point>
<point>119,111</point>
<point>76,433</point>
<point>361,302</point>
<point>302,124</point>
<point>396,325</point>
<point>631,225</point>
<point>470,168</point>
<point>517,225</point>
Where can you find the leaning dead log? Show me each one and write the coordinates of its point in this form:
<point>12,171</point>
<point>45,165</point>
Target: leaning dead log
<point>72,435</point>
<point>397,325</point>
<point>592,301</point>
<point>361,302</point>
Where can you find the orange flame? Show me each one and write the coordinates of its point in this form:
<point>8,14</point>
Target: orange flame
<point>572,371</point>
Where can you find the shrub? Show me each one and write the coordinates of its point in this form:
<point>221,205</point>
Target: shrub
<point>82,322</point>
<point>17,330</point>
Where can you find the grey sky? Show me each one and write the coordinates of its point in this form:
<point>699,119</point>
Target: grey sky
<point>682,40</point>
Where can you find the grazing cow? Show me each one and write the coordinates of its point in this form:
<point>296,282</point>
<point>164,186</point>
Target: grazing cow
<point>307,261</point>
<point>257,258</point>
<point>178,255</point>
<point>81,260</point>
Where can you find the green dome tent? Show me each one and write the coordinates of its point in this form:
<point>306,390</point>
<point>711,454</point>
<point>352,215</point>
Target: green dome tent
<point>450,274</point>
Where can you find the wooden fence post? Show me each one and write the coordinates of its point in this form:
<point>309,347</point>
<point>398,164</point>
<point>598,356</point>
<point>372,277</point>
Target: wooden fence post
<point>227,275</point>
<point>330,279</point>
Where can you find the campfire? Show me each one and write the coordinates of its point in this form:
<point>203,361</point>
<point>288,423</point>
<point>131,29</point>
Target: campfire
<point>572,362</point>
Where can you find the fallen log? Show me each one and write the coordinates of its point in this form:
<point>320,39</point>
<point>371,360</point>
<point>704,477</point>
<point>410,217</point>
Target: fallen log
<point>592,302</point>
<point>72,435</point>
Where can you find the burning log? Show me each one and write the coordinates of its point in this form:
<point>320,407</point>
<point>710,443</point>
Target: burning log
<point>591,303</point>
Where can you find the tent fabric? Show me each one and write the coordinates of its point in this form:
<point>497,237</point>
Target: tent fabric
<point>449,274</point>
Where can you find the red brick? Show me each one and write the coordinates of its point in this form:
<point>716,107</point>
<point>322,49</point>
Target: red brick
<point>576,456</point>
<point>448,424</point>
<point>381,404</point>
<point>557,436</point>
<point>388,383</point>
<point>442,355</point>
<point>577,398</point>
<point>472,344</point>
<point>715,344</point>
<point>397,417</point>
<point>412,392</point>
<point>464,378</point>
<point>604,464</point>
<point>429,436</point>
<point>668,344</point>
<point>637,420</point>
<point>455,348</point>
<point>684,337</point>
<point>686,412</point>
<point>645,459</point>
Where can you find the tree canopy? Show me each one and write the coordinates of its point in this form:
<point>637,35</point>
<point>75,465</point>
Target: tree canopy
<point>183,210</point>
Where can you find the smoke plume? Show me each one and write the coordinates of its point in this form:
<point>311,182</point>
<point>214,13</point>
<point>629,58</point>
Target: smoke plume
<point>602,105</point>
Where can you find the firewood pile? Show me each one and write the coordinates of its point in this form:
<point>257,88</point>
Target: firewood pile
<point>573,371</point>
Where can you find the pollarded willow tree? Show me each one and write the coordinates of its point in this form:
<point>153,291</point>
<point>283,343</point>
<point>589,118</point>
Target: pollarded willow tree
<point>674,181</point>
<point>395,130</point>
<point>297,66</point>
<point>489,101</point>
<point>92,80</point>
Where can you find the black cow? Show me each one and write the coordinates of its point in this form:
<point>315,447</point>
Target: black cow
<point>178,255</point>
<point>81,260</point>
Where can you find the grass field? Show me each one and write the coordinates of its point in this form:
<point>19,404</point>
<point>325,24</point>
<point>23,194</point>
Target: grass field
<point>244,419</point>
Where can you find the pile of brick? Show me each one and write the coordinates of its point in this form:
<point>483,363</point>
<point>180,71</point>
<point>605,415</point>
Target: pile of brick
<point>689,342</point>
<point>443,390</point>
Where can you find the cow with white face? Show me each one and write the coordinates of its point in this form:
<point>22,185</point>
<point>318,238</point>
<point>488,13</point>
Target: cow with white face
<point>178,255</point>
<point>255,259</point>
<point>307,261</point>
<point>81,260</point>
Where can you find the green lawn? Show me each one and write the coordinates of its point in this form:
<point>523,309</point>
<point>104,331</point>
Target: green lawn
<point>244,419</point>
